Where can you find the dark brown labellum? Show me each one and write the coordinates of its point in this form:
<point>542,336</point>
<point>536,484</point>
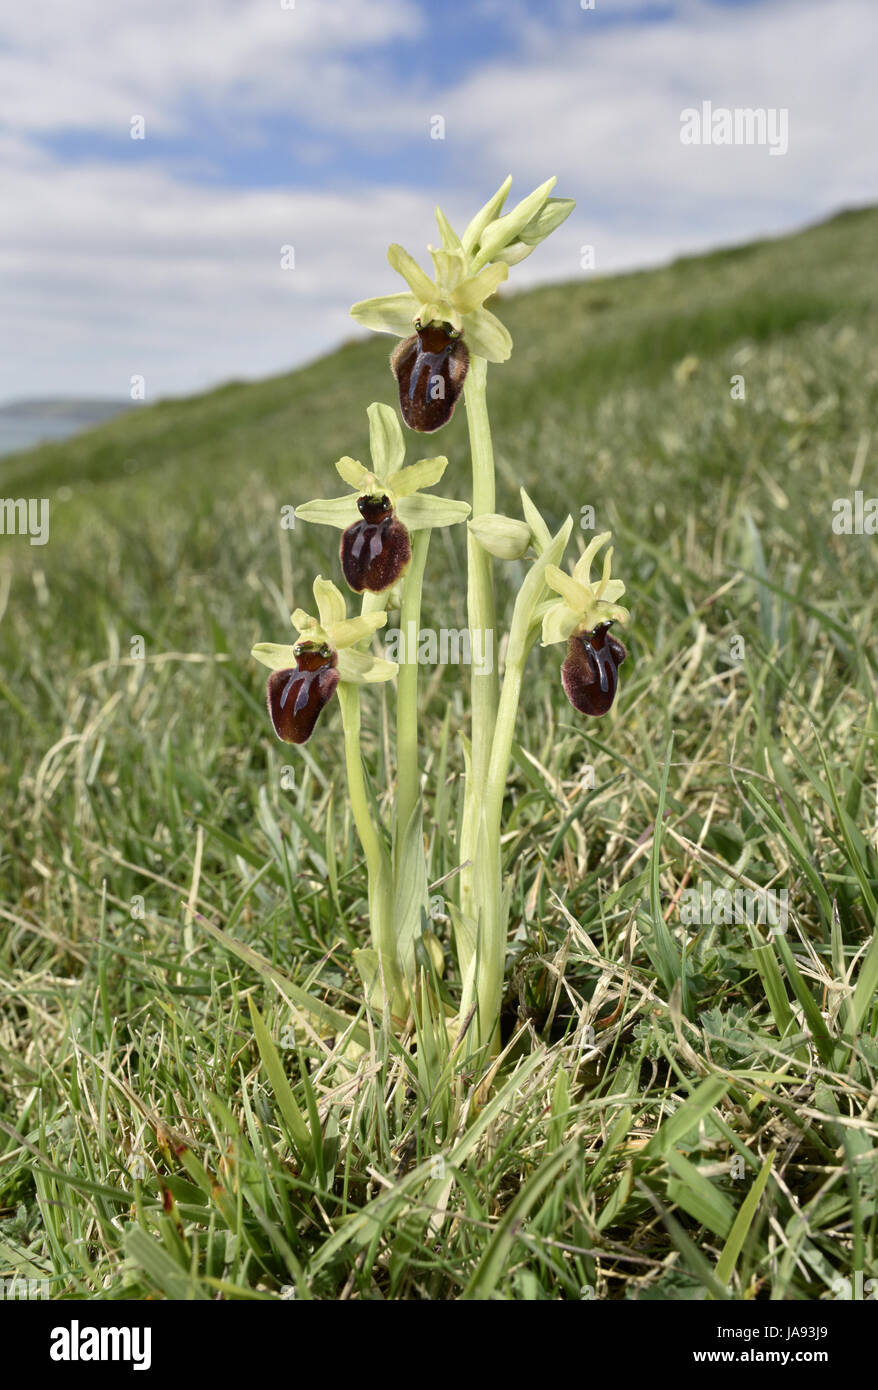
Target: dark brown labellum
<point>376,550</point>
<point>590,671</point>
<point>431,368</point>
<point>295,698</point>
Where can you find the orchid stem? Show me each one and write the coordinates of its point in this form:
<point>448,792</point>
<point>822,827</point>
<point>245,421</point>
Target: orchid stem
<point>408,787</point>
<point>378,869</point>
<point>484,687</point>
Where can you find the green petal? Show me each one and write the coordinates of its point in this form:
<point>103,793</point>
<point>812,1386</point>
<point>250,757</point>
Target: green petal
<point>551,215</point>
<point>424,473</point>
<point>388,313</point>
<point>422,511</point>
<point>418,281</point>
<point>450,239</point>
<point>500,232</point>
<point>351,471</point>
<point>450,267</point>
<point>386,443</point>
<point>558,624</point>
<point>613,590</point>
<point>473,292</point>
<point>330,603</point>
<point>361,668</point>
<point>436,311</point>
<point>348,631</point>
<point>486,215</point>
<point>486,336</point>
<point>573,593</point>
<point>330,511</point>
<point>273,655</point>
<point>302,621</point>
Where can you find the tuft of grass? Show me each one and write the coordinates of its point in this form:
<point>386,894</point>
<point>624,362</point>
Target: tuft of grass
<point>683,1109</point>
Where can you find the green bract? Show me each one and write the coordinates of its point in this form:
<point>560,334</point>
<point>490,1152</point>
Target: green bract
<point>402,486</point>
<point>339,632</point>
<point>583,604</point>
<point>468,270</point>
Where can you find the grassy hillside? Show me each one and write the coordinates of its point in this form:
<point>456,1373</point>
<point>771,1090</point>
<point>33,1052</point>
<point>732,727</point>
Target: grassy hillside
<point>143,798</point>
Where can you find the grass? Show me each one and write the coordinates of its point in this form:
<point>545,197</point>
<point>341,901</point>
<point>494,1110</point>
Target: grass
<point>682,1111</point>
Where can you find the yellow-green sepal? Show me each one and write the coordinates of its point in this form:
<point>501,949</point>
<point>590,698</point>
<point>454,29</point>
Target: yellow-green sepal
<point>386,443</point>
<point>387,313</point>
<point>362,668</point>
<point>275,655</point>
<point>330,511</point>
<point>422,511</point>
<point>418,281</point>
<point>487,337</point>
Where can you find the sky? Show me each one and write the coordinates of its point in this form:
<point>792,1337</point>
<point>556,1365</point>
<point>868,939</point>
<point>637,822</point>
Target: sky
<point>312,124</point>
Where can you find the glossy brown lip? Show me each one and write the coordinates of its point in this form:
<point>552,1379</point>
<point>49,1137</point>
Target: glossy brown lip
<point>431,368</point>
<point>589,674</point>
<point>375,551</point>
<point>297,697</point>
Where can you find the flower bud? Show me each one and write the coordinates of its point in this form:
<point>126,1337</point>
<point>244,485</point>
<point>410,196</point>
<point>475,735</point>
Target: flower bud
<point>501,536</point>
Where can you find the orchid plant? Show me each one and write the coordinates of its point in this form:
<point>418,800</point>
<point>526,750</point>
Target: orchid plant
<point>448,338</point>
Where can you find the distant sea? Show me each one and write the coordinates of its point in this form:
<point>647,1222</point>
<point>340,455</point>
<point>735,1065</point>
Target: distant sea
<point>24,424</point>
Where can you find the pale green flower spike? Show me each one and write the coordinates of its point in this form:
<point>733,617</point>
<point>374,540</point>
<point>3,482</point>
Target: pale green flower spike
<point>339,632</point>
<point>583,605</point>
<point>402,486</point>
<point>468,270</point>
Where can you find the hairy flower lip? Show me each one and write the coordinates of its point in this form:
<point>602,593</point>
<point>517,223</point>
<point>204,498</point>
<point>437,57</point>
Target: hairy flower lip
<point>430,369</point>
<point>374,553</point>
<point>296,698</point>
<point>590,671</point>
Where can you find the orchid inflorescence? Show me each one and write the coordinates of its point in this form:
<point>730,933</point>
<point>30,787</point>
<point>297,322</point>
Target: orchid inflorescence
<point>448,335</point>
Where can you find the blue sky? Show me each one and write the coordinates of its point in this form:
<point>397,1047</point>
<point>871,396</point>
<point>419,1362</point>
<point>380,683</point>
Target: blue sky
<point>311,126</point>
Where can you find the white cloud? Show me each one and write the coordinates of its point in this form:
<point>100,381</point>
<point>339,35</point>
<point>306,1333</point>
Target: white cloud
<point>127,265</point>
<point>94,64</point>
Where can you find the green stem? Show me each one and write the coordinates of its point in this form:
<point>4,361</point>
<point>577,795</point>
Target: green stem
<point>484,685</point>
<point>377,858</point>
<point>488,880</point>
<point>408,788</point>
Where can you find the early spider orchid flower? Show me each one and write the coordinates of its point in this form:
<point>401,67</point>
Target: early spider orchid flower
<point>581,617</point>
<point>448,313</point>
<point>304,676</point>
<point>376,519</point>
